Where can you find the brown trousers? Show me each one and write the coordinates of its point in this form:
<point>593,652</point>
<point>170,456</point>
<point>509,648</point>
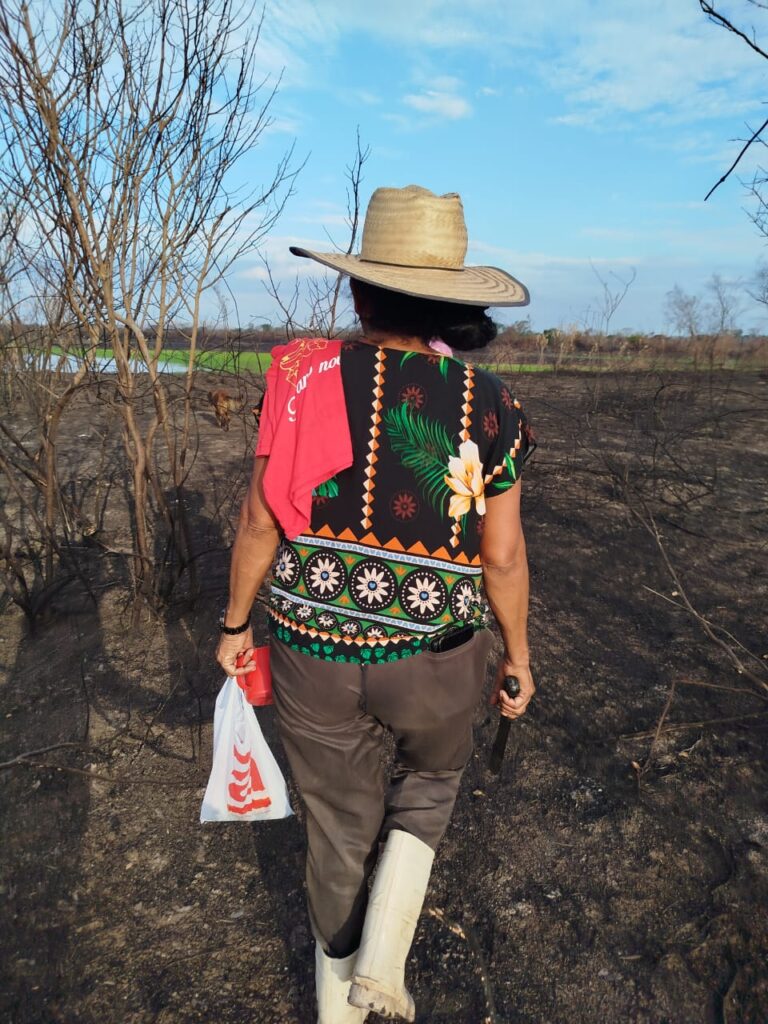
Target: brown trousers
<point>333,718</point>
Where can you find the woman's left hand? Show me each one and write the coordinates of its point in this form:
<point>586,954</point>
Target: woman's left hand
<point>513,707</point>
<point>229,649</point>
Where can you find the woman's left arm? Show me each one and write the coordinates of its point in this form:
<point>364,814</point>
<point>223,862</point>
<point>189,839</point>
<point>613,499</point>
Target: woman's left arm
<point>252,555</point>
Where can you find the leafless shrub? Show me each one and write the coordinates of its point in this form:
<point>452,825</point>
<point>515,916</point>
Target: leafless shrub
<point>613,290</point>
<point>121,125</point>
<point>313,305</point>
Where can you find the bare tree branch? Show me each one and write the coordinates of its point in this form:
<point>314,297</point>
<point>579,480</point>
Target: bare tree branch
<point>753,138</point>
<point>720,19</point>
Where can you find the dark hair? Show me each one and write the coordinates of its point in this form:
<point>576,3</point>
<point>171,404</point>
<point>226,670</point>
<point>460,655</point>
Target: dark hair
<point>460,326</point>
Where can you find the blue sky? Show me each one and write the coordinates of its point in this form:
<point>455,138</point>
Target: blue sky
<point>580,134</point>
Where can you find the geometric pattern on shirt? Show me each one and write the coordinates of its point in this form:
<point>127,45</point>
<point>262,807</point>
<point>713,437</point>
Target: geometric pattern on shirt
<point>351,627</point>
<point>508,462</point>
<point>373,442</point>
<point>372,651</point>
<point>362,594</point>
<point>392,547</point>
<point>352,631</point>
<point>466,423</point>
<point>466,407</point>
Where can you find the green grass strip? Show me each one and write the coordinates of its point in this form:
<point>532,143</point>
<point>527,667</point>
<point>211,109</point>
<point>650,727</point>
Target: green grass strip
<point>259,362</point>
<point>517,367</point>
<point>222,362</point>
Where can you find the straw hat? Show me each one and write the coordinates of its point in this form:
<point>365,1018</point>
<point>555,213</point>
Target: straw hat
<point>415,242</point>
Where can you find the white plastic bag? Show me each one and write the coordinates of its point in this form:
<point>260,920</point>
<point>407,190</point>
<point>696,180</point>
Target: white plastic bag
<point>246,783</point>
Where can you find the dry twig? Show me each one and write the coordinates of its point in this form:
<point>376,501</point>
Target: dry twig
<point>22,758</point>
<point>690,725</point>
<point>467,934</point>
<point>23,762</point>
<point>649,524</point>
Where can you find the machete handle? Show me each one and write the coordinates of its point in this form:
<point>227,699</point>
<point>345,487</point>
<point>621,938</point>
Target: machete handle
<point>511,686</point>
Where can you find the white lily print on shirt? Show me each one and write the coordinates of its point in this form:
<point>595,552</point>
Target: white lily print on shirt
<point>466,481</point>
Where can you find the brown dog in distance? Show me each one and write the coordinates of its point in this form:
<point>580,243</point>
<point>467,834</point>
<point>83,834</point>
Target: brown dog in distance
<point>223,404</point>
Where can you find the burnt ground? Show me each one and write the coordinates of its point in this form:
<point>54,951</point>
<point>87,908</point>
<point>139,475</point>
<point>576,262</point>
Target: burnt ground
<point>574,888</point>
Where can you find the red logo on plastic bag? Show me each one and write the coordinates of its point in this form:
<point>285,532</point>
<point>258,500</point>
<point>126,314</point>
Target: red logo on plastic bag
<point>247,785</point>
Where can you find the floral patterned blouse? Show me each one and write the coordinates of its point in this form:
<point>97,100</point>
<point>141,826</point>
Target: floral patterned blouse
<point>392,553</point>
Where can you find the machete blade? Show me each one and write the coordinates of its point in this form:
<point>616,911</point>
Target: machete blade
<point>511,687</point>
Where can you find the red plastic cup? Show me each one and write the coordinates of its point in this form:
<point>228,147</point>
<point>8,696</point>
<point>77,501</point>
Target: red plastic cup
<point>256,684</point>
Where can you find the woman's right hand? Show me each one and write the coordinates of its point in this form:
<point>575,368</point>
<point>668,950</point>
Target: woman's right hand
<point>230,647</point>
<point>508,706</point>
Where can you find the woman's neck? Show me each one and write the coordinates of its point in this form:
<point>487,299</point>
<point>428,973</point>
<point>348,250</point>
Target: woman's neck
<point>383,339</point>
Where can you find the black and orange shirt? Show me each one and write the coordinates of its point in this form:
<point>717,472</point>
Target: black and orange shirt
<point>392,553</point>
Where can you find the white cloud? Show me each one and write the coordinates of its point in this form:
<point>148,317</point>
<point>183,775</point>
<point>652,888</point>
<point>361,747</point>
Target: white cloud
<point>364,96</point>
<point>509,259</point>
<point>446,83</point>
<point>659,61</point>
<point>441,104</point>
<point>282,126</point>
<point>400,120</point>
<point>575,120</point>
<point>328,220</point>
<point>284,266</point>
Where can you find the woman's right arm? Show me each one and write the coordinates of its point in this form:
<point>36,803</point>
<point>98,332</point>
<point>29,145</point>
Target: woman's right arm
<point>505,577</point>
<point>252,555</point>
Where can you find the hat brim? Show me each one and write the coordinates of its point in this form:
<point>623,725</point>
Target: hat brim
<point>472,286</point>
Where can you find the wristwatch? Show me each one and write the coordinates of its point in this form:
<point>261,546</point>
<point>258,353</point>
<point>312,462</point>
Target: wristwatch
<point>232,630</point>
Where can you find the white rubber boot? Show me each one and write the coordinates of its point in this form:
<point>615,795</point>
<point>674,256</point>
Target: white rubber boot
<point>394,906</point>
<point>332,978</point>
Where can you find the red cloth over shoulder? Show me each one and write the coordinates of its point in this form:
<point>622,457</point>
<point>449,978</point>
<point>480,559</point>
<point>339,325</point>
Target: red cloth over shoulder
<point>303,427</point>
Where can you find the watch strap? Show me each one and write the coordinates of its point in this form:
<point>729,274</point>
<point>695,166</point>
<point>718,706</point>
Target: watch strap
<point>233,630</point>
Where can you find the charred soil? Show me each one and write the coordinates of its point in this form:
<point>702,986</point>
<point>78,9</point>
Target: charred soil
<point>605,875</point>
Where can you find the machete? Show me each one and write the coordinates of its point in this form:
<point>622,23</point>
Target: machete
<point>510,686</point>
